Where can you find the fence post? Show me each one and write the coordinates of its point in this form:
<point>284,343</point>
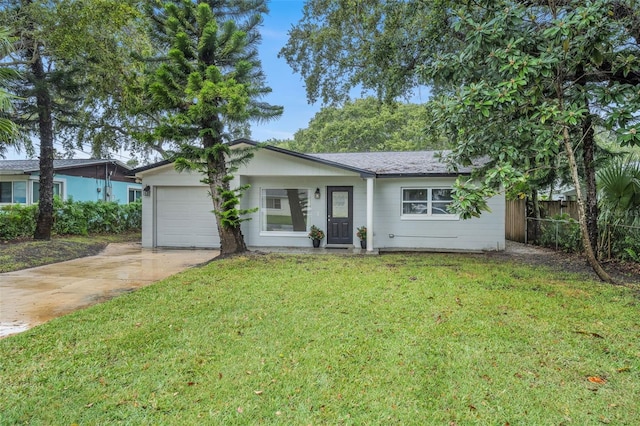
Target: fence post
<point>526,222</point>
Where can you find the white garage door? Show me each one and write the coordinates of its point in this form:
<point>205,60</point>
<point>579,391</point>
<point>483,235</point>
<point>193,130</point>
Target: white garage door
<point>184,218</point>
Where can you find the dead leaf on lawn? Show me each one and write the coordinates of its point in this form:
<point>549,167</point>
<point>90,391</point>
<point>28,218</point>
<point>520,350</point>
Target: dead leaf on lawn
<point>89,405</point>
<point>240,410</point>
<point>258,392</point>
<point>596,379</point>
<point>589,333</point>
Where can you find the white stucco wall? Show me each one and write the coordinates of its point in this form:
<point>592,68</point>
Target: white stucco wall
<point>392,231</point>
<point>271,170</point>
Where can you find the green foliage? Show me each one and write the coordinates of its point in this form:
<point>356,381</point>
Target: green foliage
<point>72,218</point>
<point>17,221</point>
<point>367,125</point>
<point>619,186</point>
<point>208,84</point>
<point>366,45</point>
<point>622,242</point>
<point>316,233</point>
<point>509,76</point>
<point>561,232</point>
<point>8,129</point>
<point>87,63</point>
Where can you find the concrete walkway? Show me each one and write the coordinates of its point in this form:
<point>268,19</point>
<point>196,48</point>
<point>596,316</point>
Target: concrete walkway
<point>32,296</point>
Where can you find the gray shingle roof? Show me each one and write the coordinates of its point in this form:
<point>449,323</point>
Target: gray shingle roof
<point>394,163</point>
<point>23,166</point>
<point>380,164</point>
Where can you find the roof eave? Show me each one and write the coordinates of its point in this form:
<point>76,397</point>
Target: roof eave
<point>414,175</point>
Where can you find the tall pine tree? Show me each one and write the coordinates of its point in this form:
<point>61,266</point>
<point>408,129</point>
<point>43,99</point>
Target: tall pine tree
<point>207,86</point>
<point>64,60</point>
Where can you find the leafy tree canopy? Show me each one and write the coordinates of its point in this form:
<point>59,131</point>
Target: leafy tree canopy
<point>367,125</point>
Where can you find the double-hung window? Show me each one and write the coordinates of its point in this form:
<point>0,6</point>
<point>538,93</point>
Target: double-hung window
<point>426,203</point>
<point>284,210</point>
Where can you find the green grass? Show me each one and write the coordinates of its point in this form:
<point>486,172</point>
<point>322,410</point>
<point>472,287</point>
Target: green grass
<point>393,339</point>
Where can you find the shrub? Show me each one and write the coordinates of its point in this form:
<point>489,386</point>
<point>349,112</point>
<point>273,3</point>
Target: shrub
<point>561,232</point>
<point>623,242</point>
<point>72,218</point>
<point>17,221</point>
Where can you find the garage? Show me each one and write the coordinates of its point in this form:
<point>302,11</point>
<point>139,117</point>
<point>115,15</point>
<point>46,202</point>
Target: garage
<point>184,217</point>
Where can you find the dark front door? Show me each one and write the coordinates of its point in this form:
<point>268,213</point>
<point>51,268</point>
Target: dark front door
<point>340,215</point>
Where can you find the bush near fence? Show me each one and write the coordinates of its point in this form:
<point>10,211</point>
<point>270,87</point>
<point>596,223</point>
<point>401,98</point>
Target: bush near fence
<point>621,242</point>
<point>559,229</point>
<point>72,218</point>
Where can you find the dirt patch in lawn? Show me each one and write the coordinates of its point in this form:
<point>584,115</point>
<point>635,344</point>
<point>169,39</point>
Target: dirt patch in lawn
<point>623,272</point>
<point>17,255</point>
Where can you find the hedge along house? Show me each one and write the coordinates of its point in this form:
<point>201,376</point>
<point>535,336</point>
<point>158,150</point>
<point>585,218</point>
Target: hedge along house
<point>401,197</point>
<point>79,179</point>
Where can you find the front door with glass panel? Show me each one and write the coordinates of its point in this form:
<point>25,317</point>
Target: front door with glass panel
<point>340,215</point>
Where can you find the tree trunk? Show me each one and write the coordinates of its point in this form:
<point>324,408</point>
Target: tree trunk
<point>582,217</point>
<point>44,222</point>
<point>591,208</point>
<point>231,238</point>
<point>295,208</point>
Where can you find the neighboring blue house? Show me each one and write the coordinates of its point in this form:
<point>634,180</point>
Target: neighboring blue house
<point>79,179</point>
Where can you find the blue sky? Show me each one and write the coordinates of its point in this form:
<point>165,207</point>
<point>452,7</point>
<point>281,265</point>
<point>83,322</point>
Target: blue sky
<point>288,88</point>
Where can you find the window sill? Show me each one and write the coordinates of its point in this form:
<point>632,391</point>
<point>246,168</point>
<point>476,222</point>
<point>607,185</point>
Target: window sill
<point>301,234</point>
<point>431,218</point>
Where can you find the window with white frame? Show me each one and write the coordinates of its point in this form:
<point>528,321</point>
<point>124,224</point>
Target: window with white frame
<point>35,193</point>
<point>284,210</point>
<point>426,203</point>
<point>135,194</point>
<point>13,192</point>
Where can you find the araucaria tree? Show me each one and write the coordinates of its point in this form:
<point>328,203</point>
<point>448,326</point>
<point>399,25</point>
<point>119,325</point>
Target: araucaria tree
<point>536,77</point>
<point>209,82</point>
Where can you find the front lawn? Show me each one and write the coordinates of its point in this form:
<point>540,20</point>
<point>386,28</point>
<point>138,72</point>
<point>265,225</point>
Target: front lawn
<point>392,339</point>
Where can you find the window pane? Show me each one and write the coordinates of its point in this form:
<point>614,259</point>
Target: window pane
<point>134,195</point>
<point>5,192</point>
<point>36,192</point>
<point>285,209</point>
<point>20,192</point>
<point>441,194</point>
<point>340,204</point>
<point>440,208</point>
<point>414,195</point>
<point>415,208</point>
<point>57,190</point>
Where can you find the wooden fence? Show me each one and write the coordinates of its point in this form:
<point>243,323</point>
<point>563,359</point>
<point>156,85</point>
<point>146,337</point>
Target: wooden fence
<point>516,216</point>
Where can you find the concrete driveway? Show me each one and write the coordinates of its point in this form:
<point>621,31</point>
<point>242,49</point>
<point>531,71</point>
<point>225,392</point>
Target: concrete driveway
<point>33,296</point>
